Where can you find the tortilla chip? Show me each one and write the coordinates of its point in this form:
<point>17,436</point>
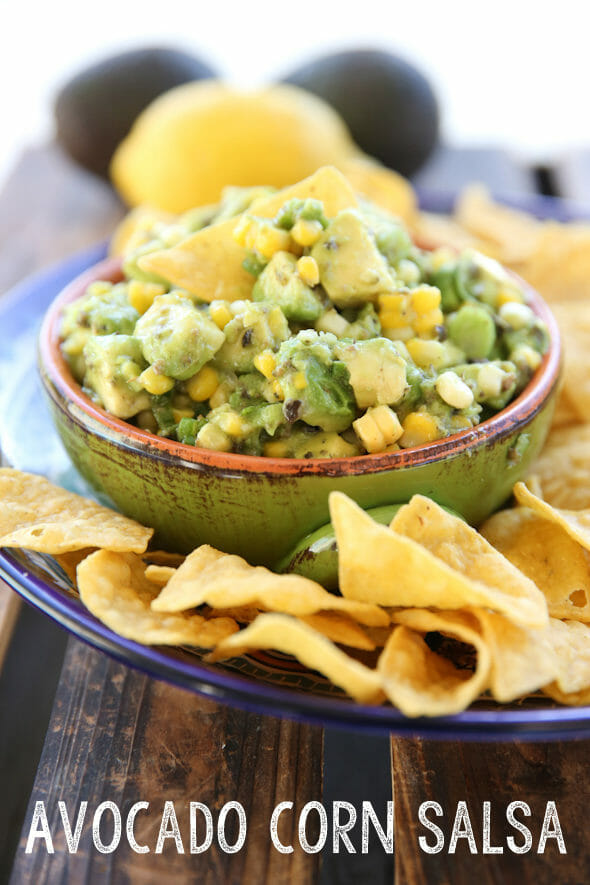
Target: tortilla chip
<point>423,683</point>
<point>559,266</point>
<point>522,660</point>
<point>290,636</point>
<point>70,561</point>
<point>381,186</point>
<point>113,586</point>
<point>136,228</point>
<point>340,629</point>
<point>514,234</point>
<point>209,262</point>
<point>385,565</point>
<point>573,319</point>
<point>159,574</point>
<point>462,548</point>
<point>220,580</point>
<point>565,413</point>
<point>575,522</point>
<point>546,554</point>
<point>571,641</point>
<point>431,229</point>
<point>40,516</point>
<point>563,468</point>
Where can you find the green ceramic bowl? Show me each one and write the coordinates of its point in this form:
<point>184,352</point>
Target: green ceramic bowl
<point>262,508</point>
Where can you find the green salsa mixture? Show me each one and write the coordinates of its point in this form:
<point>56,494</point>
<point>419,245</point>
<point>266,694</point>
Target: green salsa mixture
<point>354,339</point>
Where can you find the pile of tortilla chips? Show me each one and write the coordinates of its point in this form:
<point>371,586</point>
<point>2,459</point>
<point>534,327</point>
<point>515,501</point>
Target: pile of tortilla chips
<point>432,613</point>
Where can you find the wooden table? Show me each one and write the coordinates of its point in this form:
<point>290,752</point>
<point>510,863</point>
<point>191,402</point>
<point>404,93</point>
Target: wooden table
<point>117,735</point>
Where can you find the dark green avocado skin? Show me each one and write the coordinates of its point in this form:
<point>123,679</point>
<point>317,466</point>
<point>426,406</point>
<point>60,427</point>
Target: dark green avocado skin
<point>388,105</point>
<point>95,109</point>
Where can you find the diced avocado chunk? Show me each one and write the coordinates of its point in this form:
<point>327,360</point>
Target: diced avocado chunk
<point>377,372</point>
<point>322,444</point>
<point>279,283</point>
<point>254,328</point>
<point>493,383</point>
<point>113,363</point>
<point>104,310</point>
<point>177,336</point>
<point>266,416</point>
<point>352,269</point>
<point>393,240</point>
<point>316,386</point>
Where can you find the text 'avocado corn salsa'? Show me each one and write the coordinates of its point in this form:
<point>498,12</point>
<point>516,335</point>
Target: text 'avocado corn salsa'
<point>353,341</point>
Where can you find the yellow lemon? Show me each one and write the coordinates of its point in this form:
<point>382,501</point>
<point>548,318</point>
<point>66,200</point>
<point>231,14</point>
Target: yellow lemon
<point>197,138</point>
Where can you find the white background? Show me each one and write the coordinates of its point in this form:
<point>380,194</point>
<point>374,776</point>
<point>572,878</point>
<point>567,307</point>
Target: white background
<point>511,72</point>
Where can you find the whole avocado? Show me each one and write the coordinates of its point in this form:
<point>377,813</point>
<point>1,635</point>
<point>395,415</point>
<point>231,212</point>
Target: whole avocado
<point>388,105</point>
<point>95,109</point>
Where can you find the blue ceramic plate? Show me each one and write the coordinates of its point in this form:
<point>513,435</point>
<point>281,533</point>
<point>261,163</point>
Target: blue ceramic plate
<point>266,682</point>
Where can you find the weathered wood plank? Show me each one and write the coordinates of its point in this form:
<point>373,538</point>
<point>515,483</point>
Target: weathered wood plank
<point>117,735</point>
<point>497,773</point>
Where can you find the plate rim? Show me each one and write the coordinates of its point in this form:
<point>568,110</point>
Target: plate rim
<point>551,722</point>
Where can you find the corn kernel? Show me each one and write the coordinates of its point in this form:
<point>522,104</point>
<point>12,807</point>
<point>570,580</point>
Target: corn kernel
<point>425,353</point>
<point>441,256</point>
<point>265,362</point>
<point>270,240</point>
<point>426,323</point>
<point>276,448</point>
<point>241,230</point>
<point>453,390</point>
<point>369,433</point>
<point>277,390</point>
<point>203,384</point>
<point>300,381</point>
<point>425,298</point>
<point>332,321</point>
<point>389,319</point>
<point>251,235</point>
<point>232,424</point>
<point>524,354</point>
<point>141,295</point>
<point>179,414</point>
<point>220,396</point>
<point>392,301</point>
<point>516,315</point>
<point>154,382</point>
<point>308,270</point>
<point>212,437</point>
<point>507,296</point>
<point>419,428</point>
<point>305,232</point>
<point>220,313</point>
<point>489,380</point>
<point>387,422</point>
<point>403,333</point>
<point>276,322</point>
<point>378,428</point>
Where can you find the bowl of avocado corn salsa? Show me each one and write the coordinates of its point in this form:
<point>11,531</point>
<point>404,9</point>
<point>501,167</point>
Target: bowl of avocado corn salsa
<point>284,339</point>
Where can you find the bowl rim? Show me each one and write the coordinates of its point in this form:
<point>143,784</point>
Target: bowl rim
<point>59,381</point>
